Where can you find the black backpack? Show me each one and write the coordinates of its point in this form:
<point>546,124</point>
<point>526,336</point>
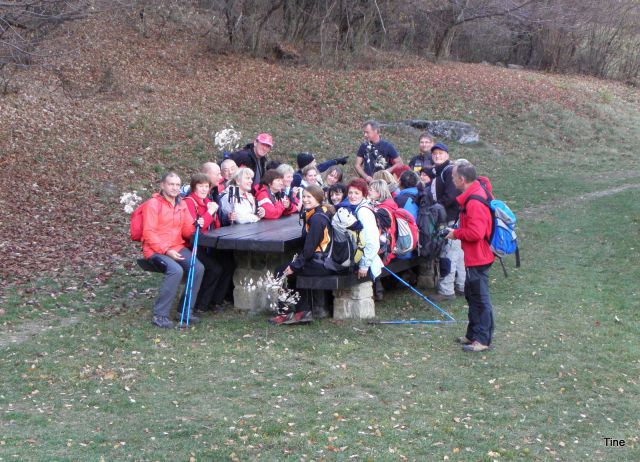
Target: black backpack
<point>340,256</point>
<point>432,218</point>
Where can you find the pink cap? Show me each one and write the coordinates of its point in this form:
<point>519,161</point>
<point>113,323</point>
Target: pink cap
<point>265,138</point>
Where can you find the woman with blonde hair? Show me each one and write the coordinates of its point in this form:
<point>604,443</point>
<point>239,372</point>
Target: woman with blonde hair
<point>389,179</point>
<point>237,201</point>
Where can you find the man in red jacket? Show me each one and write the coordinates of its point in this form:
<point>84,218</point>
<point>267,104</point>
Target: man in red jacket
<point>474,232</point>
<point>167,225</point>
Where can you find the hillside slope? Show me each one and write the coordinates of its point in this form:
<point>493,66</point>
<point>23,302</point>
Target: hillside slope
<point>126,108</point>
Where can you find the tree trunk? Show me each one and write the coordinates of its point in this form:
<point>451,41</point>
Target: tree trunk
<point>443,47</point>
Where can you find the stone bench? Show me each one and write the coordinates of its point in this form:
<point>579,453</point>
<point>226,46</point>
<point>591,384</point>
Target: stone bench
<point>353,297</point>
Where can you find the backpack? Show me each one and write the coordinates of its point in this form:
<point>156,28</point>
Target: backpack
<point>136,226</point>
<point>406,239</point>
<point>387,227</point>
<point>341,255</point>
<point>432,217</point>
<point>503,239</point>
<point>347,241</point>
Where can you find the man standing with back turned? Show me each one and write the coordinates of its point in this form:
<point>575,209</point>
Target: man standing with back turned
<point>474,231</point>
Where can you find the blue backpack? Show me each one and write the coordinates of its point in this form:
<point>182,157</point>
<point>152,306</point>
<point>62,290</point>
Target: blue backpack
<point>503,239</point>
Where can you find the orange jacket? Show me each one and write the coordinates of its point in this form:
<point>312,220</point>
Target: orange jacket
<point>165,226</point>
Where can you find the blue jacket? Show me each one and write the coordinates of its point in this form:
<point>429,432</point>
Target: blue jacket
<point>408,200</point>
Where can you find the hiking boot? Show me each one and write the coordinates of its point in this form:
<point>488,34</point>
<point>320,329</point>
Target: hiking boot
<point>163,322</point>
<point>459,292</point>
<point>300,317</point>
<point>475,347</point>
<point>320,312</point>
<point>217,308</point>
<point>192,318</point>
<point>278,319</point>
<point>442,297</point>
<point>463,340</point>
<point>378,297</point>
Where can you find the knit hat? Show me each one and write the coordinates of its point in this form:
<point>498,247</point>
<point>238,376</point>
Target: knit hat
<point>304,159</point>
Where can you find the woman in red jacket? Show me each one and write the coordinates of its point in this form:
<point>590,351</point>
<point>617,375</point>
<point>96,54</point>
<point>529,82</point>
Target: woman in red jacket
<point>270,198</point>
<point>218,271</point>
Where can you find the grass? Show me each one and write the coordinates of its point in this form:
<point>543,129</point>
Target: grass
<point>564,373</point>
<point>563,376</point>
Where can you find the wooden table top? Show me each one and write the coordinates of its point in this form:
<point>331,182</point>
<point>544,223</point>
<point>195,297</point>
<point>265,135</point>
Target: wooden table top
<point>275,236</point>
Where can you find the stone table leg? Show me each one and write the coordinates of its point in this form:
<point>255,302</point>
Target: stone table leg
<point>251,266</point>
<point>355,302</point>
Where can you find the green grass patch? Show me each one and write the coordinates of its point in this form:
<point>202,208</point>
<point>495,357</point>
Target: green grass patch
<point>563,375</point>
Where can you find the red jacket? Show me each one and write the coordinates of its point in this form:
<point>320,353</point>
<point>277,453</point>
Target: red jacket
<point>198,208</point>
<point>273,208</point>
<point>475,226</point>
<point>165,226</point>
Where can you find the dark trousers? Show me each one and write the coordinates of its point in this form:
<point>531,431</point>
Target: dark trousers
<point>476,291</point>
<point>308,297</point>
<point>218,272</point>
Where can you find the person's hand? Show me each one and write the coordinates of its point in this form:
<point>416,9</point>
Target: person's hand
<point>368,179</point>
<point>362,273</point>
<point>450,235</point>
<point>212,208</point>
<point>200,222</point>
<point>233,216</point>
<point>260,212</point>
<point>288,271</point>
<point>286,202</point>
<point>342,160</point>
<point>174,254</point>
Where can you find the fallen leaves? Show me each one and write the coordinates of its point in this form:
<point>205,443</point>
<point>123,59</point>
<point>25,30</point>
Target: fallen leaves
<point>68,159</point>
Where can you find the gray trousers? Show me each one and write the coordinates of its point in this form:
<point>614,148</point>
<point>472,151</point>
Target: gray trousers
<point>453,251</point>
<point>172,279</point>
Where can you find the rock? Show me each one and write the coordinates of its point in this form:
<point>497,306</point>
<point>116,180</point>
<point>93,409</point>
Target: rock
<point>499,64</point>
<point>461,132</point>
<point>515,66</point>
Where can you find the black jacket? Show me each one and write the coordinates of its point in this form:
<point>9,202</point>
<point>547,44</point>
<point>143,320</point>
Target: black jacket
<point>316,234</point>
<point>446,191</point>
<point>246,157</point>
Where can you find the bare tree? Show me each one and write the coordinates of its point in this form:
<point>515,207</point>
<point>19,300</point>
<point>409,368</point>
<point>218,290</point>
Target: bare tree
<point>25,26</point>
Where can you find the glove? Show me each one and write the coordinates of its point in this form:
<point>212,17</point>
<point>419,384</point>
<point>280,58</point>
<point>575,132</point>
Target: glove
<point>342,160</point>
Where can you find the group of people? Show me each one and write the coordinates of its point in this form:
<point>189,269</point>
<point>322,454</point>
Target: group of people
<point>247,187</point>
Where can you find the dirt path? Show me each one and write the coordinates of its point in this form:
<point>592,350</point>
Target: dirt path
<point>31,329</point>
<point>539,210</point>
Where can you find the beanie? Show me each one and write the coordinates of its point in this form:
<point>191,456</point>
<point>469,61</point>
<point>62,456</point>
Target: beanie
<point>304,159</point>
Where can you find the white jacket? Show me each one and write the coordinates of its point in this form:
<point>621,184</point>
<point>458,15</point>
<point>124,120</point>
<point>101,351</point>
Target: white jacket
<point>244,204</point>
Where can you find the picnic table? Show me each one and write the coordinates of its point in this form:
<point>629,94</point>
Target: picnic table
<point>257,247</point>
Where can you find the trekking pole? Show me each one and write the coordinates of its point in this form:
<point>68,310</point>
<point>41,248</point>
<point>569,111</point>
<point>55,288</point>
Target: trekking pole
<point>186,304</point>
<point>412,288</point>
<point>410,321</point>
